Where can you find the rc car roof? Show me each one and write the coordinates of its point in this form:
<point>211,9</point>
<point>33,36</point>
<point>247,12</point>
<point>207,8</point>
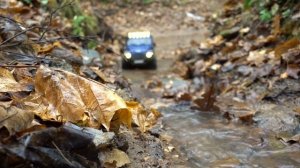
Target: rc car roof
<point>145,34</point>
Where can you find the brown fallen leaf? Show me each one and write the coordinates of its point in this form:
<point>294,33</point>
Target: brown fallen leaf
<point>291,140</point>
<point>293,70</point>
<point>184,96</point>
<point>23,76</point>
<point>207,103</point>
<point>8,82</point>
<point>15,119</point>
<point>248,117</point>
<point>138,114</point>
<point>182,70</point>
<point>114,158</point>
<point>151,118</point>
<point>45,49</point>
<point>257,57</point>
<point>284,47</point>
<point>101,75</point>
<point>77,99</point>
<point>297,110</point>
<point>276,25</point>
<point>145,119</point>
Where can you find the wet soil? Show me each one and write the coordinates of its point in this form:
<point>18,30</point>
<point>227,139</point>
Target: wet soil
<point>143,150</point>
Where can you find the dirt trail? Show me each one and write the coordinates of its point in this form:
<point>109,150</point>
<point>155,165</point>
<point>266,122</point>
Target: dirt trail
<point>173,26</point>
<point>167,43</point>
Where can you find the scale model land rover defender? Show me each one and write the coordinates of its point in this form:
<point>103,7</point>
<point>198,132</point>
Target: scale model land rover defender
<point>139,51</point>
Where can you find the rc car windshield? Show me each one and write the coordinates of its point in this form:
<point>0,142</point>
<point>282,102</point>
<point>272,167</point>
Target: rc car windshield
<point>139,41</point>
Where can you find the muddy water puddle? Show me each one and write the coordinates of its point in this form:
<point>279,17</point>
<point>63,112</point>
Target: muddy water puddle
<point>209,140</point>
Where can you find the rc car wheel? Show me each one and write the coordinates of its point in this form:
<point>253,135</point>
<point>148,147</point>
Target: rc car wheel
<point>153,64</point>
<point>125,65</point>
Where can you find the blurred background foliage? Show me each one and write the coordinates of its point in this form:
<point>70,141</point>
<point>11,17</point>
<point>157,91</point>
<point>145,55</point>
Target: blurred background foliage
<point>286,10</point>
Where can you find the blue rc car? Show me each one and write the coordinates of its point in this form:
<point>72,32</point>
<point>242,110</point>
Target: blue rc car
<point>139,51</point>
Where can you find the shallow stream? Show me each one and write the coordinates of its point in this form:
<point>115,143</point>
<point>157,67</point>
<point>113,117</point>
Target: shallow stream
<point>209,140</point>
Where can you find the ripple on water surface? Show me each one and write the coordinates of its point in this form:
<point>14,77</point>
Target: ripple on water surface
<point>210,141</point>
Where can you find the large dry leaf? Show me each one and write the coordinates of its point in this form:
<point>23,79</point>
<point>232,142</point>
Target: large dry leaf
<point>8,82</point>
<point>15,119</point>
<point>77,99</point>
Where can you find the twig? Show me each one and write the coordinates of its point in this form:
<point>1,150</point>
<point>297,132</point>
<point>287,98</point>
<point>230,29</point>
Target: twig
<point>51,17</point>
<point>16,35</point>
<point>20,54</point>
<point>18,66</point>
<point>60,152</point>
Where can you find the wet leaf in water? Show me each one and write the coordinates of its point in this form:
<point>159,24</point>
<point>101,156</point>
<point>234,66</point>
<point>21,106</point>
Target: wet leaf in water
<point>226,162</point>
<point>207,103</point>
<point>183,96</point>
<point>15,119</point>
<point>291,140</point>
<point>248,117</point>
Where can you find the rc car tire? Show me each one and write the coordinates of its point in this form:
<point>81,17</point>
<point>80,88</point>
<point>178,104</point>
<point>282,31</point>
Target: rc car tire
<point>153,64</point>
<point>125,65</point>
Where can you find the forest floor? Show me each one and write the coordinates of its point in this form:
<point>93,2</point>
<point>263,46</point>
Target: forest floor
<point>225,92</point>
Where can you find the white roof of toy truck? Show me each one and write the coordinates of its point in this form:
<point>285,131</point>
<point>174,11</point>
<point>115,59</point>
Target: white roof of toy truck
<point>145,34</point>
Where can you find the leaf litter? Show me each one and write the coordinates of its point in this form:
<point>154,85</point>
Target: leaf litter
<point>52,113</point>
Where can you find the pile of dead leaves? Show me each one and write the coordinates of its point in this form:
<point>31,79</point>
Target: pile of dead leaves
<point>52,111</point>
<point>245,62</point>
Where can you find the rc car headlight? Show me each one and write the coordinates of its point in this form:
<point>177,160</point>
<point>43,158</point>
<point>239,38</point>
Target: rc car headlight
<point>127,54</point>
<point>149,54</point>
